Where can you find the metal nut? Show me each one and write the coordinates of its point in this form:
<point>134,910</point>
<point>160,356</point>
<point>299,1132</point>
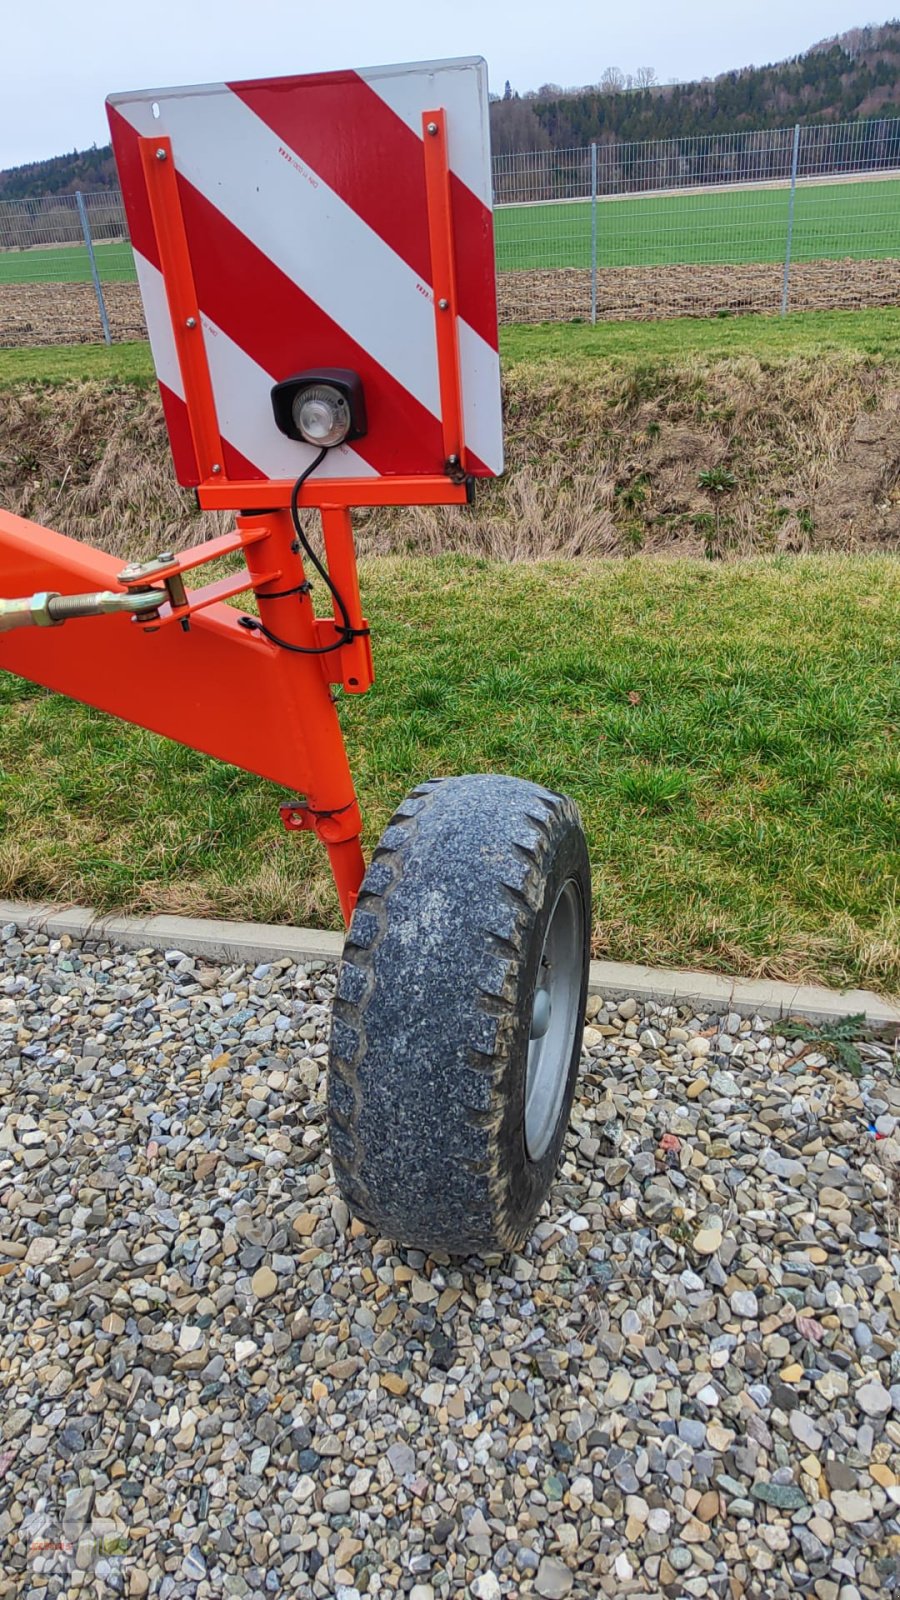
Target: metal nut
<point>432,127</point>
<point>444,305</point>
<point>190,322</point>
<point>161,154</point>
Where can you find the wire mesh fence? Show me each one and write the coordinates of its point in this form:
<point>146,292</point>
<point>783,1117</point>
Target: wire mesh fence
<point>767,220</point>
<point>67,270</point>
<point>802,218</point>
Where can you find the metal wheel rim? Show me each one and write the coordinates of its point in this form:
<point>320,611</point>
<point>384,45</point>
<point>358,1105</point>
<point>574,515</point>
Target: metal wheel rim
<point>554,1019</point>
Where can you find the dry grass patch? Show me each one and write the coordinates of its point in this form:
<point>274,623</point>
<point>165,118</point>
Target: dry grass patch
<point>604,458</point>
<point>92,460</point>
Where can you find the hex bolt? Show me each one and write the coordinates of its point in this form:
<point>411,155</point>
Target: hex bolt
<point>190,322</point>
<point>444,305</point>
<point>161,154</point>
<point>432,128</point>
<point>216,467</point>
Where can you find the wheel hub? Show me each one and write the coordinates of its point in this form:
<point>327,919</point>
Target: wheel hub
<point>540,1017</point>
<point>554,1020</point>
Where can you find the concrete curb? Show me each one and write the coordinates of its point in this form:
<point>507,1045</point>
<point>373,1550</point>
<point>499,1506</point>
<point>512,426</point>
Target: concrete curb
<point>255,941</point>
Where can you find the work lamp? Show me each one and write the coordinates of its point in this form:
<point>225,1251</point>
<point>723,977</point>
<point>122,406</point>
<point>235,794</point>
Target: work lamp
<point>322,408</point>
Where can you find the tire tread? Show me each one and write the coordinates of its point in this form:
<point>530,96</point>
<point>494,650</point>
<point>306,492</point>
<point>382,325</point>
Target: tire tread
<point>528,850</point>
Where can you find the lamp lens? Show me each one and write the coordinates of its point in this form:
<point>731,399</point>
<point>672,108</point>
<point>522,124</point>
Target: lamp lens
<point>321,415</point>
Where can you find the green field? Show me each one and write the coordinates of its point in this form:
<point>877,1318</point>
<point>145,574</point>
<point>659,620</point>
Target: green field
<point>831,221</point>
<point>67,263</point>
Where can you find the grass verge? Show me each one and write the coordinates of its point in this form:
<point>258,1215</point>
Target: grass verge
<point>873,333</point>
<point>806,333</point>
<point>73,363</point>
<point>727,732</point>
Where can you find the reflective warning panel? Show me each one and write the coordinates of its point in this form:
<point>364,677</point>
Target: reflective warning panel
<point>308,223</point>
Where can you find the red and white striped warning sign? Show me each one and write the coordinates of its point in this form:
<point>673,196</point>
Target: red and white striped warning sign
<point>304,207</point>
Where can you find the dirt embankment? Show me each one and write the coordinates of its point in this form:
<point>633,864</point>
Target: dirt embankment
<point>66,313</point>
<point>695,457</point>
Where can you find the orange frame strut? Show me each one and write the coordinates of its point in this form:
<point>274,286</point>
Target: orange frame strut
<point>184,309</point>
<point>443,268</point>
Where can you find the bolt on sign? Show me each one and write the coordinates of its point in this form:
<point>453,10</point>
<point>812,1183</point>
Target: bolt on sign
<point>337,226</point>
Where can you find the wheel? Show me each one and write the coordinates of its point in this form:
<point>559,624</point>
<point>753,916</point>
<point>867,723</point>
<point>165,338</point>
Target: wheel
<point>457,1023</point>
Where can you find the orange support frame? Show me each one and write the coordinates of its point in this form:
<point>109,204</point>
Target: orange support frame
<point>443,270</point>
<point>184,309</point>
<point>213,684</point>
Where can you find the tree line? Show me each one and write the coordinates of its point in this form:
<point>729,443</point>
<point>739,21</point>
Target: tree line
<point>844,79</point>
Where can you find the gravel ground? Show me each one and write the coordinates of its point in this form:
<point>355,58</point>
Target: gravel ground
<point>217,1384</point>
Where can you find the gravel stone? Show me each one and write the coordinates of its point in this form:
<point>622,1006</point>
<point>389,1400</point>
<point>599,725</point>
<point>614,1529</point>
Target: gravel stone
<point>708,1240</point>
<point>553,1580</point>
<point>684,1381</point>
<point>874,1399</point>
<point>852,1507</point>
<point>402,1459</point>
<point>521,1402</point>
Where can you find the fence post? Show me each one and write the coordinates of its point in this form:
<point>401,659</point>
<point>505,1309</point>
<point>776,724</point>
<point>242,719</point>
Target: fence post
<point>593,232</point>
<point>98,287</point>
<point>790,224</point>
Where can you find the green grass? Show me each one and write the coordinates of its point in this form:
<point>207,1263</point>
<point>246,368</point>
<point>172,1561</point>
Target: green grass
<point>806,333</point>
<point>67,263</point>
<point>771,339</point>
<point>831,221</point>
<point>65,363</point>
<point>729,733</point>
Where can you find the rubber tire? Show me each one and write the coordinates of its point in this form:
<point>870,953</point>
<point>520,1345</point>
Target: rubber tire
<point>432,1016</point>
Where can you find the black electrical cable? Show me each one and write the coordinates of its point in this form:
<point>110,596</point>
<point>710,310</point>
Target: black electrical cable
<point>287,594</point>
<point>348,632</point>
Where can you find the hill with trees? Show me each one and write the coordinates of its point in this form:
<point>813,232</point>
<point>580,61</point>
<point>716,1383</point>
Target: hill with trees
<point>89,170</point>
<point>854,76</point>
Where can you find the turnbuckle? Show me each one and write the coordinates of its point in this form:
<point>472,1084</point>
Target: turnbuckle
<point>140,600</point>
<point>49,610</point>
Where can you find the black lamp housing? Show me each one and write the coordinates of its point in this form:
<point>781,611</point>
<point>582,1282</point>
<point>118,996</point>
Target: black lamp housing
<point>347,383</point>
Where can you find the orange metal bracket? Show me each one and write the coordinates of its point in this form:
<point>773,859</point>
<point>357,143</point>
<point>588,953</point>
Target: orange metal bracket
<point>269,494</point>
<point>216,491</point>
<point>354,660</point>
<point>184,310</point>
<point>443,275</point>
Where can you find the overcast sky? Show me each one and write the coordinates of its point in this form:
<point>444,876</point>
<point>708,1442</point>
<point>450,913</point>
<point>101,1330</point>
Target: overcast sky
<point>60,58</point>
